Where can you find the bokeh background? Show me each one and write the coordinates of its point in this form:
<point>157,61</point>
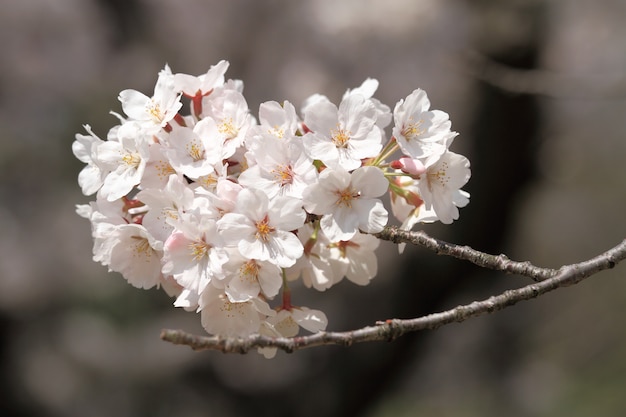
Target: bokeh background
<point>537,90</point>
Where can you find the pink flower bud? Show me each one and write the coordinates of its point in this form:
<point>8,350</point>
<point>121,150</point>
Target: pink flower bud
<point>409,166</point>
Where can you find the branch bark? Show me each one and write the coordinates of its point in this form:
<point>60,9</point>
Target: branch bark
<point>546,280</point>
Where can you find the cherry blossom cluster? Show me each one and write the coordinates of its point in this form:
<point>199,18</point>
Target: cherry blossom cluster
<point>224,211</point>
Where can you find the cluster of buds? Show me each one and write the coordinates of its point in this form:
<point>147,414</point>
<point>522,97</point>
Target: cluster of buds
<point>224,211</point>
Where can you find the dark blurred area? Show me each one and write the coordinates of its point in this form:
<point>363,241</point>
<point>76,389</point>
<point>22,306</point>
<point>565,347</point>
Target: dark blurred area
<point>536,90</point>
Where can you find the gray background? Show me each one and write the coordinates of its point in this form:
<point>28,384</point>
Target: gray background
<point>548,186</point>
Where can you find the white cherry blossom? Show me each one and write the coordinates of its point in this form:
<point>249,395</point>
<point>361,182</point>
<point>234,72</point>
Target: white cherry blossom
<point>92,176</point>
<point>203,84</point>
<point>348,202</point>
<point>194,253</point>
<point>247,278</point>
<point>355,258</point>
<point>224,212</point>
<point>220,315</point>
<point>136,255</point>
<point>165,206</point>
<point>155,111</point>
<point>262,229</point>
<point>279,120</point>
<point>342,137</point>
<point>420,132</point>
<point>314,266</point>
<point>281,167</point>
<point>439,186</point>
<point>125,159</point>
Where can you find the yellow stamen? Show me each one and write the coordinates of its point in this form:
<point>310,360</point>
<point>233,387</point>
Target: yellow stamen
<point>263,229</point>
<point>154,110</point>
<point>199,249</point>
<point>249,271</point>
<point>345,197</point>
<point>283,174</point>
<point>227,128</point>
<point>440,176</point>
<point>142,248</point>
<point>340,137</point>
<point>195,150</point>
<point>277,131</point>
<point>132,159</point>
<point>412,130</point>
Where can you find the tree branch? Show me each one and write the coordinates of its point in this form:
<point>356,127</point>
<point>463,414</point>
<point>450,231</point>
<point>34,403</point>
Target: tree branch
<point>391,329</point>
<point>485,260</point>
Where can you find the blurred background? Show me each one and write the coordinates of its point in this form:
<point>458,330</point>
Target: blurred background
<point>537,90</point>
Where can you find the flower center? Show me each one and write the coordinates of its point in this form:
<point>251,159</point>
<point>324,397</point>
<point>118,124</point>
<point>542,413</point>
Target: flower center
<point>345,197</point>
<point>249,271</point>
<point>439,176</point>
<point>195,150</point>
<point>263,229</point>
<point>227,128</point>
<point>132,159</point>
<point>142,247</point>
<point>208,181</point>
<point>340,137</point>
<point>412,130</point>
<point>164,169</point>
<point>277,131</point>
<point>154,110</point>
<point>199,249</point>
<point>283,174</point>
<point>344,245</point>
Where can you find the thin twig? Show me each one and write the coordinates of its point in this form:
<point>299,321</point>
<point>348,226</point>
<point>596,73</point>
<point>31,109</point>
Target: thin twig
<point>391,329</point>
<point>485,260</point>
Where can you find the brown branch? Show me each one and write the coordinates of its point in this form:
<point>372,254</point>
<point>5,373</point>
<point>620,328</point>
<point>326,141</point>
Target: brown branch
<point>485,260</point>
<point>391,329</point>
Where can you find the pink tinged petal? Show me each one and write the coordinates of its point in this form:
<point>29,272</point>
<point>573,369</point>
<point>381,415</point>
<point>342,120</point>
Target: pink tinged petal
<point>252,203</point>
<point>244,284</point>
<point>118,184</point>
<point>370,182</point>
<point>252,248</point>
<point>134,104</point>
<point>311,320</point>
<point>320,147</point>
<point>90,179</point>
<point>362,269</point>
<point>283,324</point>
<point>371,214</point>
<point>367,146</point>
<point>290,249</point>
<point>366,89</point>
<point>234,226</point>
<point>321,117</point>
<point>270,279</point>
<point>346,159</point>
<point>187,299</point>
<point>220,316</point>
<point>213,143</point>
<point>461,198</point>
<point>135,258</point>
<point>286,213</point>
<point>410,166</point>
<point>417,102</point>
<point>317,199</point>
<point>319,275</point>
<point>341,225</point>
<point>176,249</point>
<point>357,116</point>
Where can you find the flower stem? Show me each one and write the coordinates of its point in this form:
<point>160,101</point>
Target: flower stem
<point>387,151</point>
